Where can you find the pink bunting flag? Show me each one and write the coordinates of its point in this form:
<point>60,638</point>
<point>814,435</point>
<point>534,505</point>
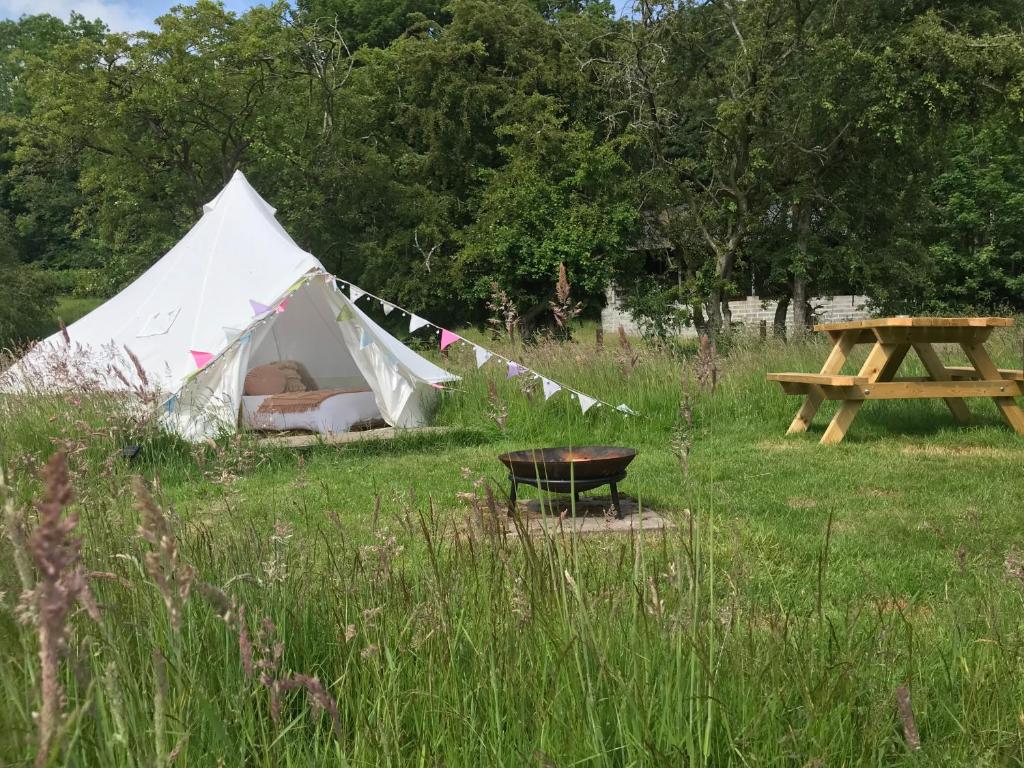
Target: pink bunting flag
<point>515,369</point>
<point>448,338</point>
<point>202,359</point>
<point>259,309</point>
<point>437,386</point>
<point>282,306</point>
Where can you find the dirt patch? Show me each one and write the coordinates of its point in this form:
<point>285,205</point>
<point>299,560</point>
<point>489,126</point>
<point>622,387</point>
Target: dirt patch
<point>979,451</point>
<point>799,503</point>
<point>876,493</point>
<point>778,445</point>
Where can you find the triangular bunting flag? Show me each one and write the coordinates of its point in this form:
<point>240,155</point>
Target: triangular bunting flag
<point>171,401</point>
<point>282,306</point>
<point>482,356</point>
<point>355,293</point>
<point>231,333</point>
<point>515,369</point>
<point>387,307</point>
<point>202,359</point>
<point>437,386</point>
<point>259,309</point>
<point>345,314</point>
<point>448,338</point>
<point>625,409</point>
<point>365,339</point>
<point>586,403</point>
<point>415,323</point>
<point>550,388</point>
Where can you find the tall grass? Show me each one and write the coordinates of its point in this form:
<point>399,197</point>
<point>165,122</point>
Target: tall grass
<point>415,639</point>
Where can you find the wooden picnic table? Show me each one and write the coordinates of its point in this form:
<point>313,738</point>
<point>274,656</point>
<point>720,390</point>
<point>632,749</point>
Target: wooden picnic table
<point>892,339</point>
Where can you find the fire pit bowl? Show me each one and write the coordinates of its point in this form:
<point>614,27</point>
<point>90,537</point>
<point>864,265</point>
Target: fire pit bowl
<point>569,469</point>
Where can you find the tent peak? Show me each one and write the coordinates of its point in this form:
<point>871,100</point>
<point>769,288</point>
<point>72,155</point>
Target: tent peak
<point>239,186</point>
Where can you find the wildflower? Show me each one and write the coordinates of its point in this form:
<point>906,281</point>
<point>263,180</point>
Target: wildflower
<point>61,583</point>
<point>319,699</point>
<point>369,651</point>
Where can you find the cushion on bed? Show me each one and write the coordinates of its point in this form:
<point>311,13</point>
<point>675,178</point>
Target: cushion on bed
<point>265,380</point>
<point>296,376</point>
<point>278,378</point>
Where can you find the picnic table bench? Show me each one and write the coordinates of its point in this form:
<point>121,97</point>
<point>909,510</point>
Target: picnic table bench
<point>892,339</point>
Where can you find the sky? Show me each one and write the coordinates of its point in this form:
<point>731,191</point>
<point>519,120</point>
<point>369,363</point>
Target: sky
<point>123,15</point>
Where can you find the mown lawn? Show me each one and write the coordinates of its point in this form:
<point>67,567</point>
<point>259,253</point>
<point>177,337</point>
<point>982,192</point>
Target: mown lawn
<point>771,627</point>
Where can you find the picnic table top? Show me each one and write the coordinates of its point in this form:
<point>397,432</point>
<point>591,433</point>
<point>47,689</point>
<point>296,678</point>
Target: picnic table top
<point>918,322</point>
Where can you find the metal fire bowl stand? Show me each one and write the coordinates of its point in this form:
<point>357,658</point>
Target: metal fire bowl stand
<point>569,486</point>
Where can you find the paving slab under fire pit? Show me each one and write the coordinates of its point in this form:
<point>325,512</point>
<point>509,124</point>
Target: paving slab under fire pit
<point>594,514</point>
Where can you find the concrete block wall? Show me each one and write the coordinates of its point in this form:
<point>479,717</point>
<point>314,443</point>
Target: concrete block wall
<point>749,312</point>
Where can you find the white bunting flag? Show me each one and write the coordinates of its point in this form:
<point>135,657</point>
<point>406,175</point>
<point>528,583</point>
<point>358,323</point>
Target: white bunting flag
<point>482,356</point>
<point>625,409</point>
<point>365,339</point>
<point>415,323</point>
<point>355,293</point>
<point>550,388</point>
<point>230,334</point>
<point>586,403</point>
<point>388,307</point>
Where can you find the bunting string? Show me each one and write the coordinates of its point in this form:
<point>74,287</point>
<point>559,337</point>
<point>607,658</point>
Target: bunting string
<point>264,313</point>
<point>447,338</point>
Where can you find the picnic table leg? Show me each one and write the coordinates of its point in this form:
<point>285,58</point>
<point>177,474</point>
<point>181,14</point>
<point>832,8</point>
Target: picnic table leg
<point>833,364</point>
<point>937,370</point>
<point>986,369</point>
<point>882,363</point>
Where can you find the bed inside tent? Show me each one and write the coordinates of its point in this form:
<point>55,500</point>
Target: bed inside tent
<point>302,376</point>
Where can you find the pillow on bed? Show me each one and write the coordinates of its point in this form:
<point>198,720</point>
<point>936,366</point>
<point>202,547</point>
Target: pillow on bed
<point>265,380</point>
<point>297,378</point>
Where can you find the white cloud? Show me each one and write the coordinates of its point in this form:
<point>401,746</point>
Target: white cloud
<point>119,15</point>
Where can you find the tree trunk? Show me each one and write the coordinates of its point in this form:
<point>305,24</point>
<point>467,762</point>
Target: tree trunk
<point>779,323</point>
<point>802,223</point>
<point>799,306</point>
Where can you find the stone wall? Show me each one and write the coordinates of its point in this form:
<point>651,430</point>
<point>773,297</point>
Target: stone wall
<point>749,312</point>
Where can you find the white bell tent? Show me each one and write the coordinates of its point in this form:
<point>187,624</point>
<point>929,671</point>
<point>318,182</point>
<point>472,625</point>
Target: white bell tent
<point>236,292</point>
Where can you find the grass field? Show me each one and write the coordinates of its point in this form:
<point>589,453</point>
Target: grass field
<point>773,626</point>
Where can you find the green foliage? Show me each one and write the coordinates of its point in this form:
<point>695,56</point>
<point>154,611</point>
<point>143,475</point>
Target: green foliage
<point>27,295</point>
<point>978,250</point>
<point>557,199</point>
<point>429,150</point>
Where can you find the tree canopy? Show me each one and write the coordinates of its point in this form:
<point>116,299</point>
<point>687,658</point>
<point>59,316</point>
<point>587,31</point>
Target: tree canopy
<point>438,151</point>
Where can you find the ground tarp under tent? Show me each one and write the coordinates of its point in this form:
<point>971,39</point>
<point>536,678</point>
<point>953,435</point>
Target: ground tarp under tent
<point>236,297</point>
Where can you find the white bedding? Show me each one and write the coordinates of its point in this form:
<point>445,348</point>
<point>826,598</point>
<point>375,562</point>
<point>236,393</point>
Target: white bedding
<point>335,414</point>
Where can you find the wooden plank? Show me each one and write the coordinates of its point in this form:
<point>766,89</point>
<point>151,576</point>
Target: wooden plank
<point>915,390</point>
<point>918,322</point>
<point>833,365</point>
<point>817,378</point>
<point>345,438</point>
<point>938,371</point>
<point>937,335</point>
<point>881,365</point>
<point>986,369</point>
<point>965,372</point>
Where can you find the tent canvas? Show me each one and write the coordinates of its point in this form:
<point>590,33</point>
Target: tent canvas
<point>234,293</point>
